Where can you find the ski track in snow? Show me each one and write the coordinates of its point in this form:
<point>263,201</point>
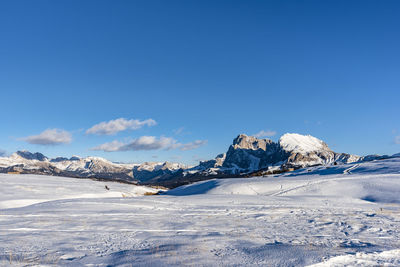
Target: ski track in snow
<point>349,170</point>
<point>278,221</point>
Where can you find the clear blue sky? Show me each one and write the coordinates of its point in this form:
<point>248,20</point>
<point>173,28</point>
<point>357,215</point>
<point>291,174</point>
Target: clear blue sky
<point>202,70</point>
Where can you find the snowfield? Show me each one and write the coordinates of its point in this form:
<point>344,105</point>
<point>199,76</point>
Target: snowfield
<point>23,190</point>
<point>345,215</point>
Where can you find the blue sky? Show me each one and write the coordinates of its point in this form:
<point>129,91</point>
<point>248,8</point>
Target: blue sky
<point>185,77</point>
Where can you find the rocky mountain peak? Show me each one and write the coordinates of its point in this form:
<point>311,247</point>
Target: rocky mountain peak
<point>59,159</point>
<point>243,141</point>
<point>251,153</point>
<point>172,166</point>
<point>74,157</point>
<point>30,156</point>
<point>248,153</point>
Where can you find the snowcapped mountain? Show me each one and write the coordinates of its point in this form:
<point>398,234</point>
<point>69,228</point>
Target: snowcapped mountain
<point>152,170</point>
<point>306,150</point>
<point>250,155</point>
<point>247,155</point>
<point>90,167</point>
<point>29,156</point>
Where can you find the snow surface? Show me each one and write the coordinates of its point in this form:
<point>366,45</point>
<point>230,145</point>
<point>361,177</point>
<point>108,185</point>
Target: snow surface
<point>386,258</point>
<point>24,190</point>
<point>298,143</point>
<point>337,216</point>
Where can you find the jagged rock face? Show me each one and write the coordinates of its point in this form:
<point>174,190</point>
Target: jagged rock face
<point>250,153</point>
<point>250,142</point>
<point>212,163</point>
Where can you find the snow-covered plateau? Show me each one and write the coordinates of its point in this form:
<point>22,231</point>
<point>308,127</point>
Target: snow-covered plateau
<point>338,215</point>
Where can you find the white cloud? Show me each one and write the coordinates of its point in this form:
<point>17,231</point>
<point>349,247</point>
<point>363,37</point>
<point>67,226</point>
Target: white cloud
<point>114,126</point>
<point>263,133</point>
<point>2,153</point>
<point>397,140</point>
<point>110,146</point>
<point>50,137</point>
<point>141,143</point>
<point>193,145</point>
<point>148,143</point>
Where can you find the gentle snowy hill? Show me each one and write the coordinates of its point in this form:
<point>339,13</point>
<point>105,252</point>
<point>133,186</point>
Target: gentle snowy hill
<point>25,189</point>
<point>375,181</point>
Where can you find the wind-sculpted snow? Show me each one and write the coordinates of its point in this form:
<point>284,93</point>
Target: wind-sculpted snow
<point>298,219</point>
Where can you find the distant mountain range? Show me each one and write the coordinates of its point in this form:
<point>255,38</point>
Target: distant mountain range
<point>246,156</point>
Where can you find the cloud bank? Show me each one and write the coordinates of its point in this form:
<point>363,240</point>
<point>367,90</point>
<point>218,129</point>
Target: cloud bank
<point>50,137</point>
<point>148,143</point>
<point>263,133</point>
<point>115,126</point>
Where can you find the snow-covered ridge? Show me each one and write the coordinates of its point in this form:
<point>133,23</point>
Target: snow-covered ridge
<point>89,167</point>
<point>155,166</point>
